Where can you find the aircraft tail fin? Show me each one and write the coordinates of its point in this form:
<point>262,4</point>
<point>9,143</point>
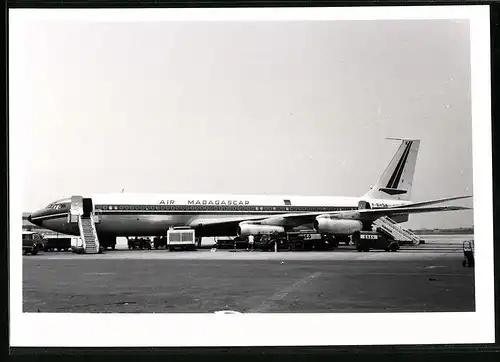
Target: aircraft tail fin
<point>396,181</point>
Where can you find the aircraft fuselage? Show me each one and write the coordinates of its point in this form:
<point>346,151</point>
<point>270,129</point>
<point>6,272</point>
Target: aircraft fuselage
<point>150,215</point>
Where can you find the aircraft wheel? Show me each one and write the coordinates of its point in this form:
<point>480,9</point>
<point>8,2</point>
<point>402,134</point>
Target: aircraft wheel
<point>34,252</point>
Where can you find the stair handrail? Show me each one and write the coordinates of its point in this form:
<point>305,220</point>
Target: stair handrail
<point>389,229</point>
<point>408,234</point>
<point>387,218</point>
<point>94,231</point>
<point>399,228</point>
<point>82,234</point>
<point>393,228</point>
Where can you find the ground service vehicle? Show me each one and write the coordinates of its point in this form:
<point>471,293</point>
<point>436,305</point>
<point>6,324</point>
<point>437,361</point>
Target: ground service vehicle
<point>56,242</point>
<point>304,240</point>
<point>301,240</point>
<point>31,242</point>
<point>159,241</point>
<point>267,242</point>
<point>367,240</point>
<point>139,243</point>
<point>181,238</point>
<point>231,243</point>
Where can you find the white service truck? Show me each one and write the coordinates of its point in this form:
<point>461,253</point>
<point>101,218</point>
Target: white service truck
<point>181,238</point>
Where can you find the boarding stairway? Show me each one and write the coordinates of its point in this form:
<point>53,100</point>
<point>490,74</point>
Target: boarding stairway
<point>389,227</point>
<point>88,234</point>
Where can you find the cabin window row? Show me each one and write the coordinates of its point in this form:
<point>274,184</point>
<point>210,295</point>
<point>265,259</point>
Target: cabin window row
<point>216,208</point>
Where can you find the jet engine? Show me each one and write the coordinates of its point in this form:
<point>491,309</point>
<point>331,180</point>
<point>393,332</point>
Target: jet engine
<point>325,225</point>
<point>245,229</point>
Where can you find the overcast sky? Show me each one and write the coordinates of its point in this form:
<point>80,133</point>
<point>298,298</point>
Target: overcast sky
<point>257,107</point>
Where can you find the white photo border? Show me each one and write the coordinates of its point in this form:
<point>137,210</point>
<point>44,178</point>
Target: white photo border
<point>183,330</point>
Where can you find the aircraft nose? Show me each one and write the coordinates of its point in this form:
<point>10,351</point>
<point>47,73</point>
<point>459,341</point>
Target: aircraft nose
<point>33,219</point>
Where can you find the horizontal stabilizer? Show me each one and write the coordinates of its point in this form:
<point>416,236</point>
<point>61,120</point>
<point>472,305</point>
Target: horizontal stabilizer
<point>393,191</point>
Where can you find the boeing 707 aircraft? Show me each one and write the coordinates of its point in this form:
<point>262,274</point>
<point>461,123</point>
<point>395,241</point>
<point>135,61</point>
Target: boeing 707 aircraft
<point>124,214</point>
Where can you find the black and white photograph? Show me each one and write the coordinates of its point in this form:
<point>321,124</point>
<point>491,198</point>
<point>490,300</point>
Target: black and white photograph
<point>316,176</point>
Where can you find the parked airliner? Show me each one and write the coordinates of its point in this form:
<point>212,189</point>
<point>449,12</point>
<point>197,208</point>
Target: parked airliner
<point>125,214</point>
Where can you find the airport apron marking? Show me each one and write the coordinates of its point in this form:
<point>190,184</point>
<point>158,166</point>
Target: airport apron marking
<point>266,305</point>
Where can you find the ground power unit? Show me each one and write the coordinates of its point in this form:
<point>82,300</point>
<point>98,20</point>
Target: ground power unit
<point>181,239</point>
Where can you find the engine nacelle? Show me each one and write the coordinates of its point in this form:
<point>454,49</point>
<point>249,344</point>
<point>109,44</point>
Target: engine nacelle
<point>337,226</point>
<point>246,229</point>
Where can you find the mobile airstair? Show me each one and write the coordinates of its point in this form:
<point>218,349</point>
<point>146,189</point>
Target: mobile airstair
<point>389,227</point>
<point>88,234</point>
<point>82,213</point>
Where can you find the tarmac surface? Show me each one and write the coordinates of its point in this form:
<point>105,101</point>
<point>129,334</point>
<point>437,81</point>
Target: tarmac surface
<point>426,278</point>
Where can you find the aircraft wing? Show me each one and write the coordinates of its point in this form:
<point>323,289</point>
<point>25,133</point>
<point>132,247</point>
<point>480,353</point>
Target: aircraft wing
<point>432,202</point>
<point>297,219</point>
<point>364,215</point>
<point>373,214</point>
